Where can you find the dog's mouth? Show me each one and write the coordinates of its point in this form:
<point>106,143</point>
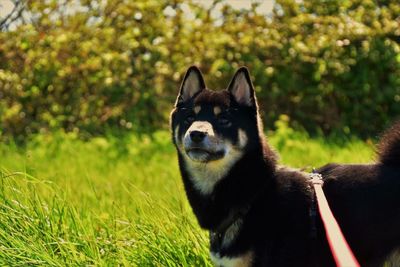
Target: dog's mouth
<point>204,155</point>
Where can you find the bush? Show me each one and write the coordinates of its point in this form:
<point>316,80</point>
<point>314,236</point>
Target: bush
<point>117,65</point>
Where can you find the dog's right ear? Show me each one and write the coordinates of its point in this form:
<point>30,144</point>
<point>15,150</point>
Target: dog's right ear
<point>242,88</point>
<point>192,83</point>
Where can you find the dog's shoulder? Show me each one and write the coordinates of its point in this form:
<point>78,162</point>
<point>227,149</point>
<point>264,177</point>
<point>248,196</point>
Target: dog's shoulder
<point>294,196</point>
<point>291,179</point>
<point>292,186</point>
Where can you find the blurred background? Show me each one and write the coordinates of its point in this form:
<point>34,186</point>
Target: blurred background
<point>88,173</point>
<point>114,66</point>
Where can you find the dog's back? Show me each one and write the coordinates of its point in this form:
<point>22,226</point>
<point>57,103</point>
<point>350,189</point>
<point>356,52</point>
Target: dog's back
<point>365,199</point>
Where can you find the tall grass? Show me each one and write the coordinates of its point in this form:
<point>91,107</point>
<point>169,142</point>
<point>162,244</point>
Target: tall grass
<point>109,201</point>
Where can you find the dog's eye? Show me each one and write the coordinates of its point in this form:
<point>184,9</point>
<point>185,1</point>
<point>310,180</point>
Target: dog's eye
<point>189,119</point>
<point>224,122</point>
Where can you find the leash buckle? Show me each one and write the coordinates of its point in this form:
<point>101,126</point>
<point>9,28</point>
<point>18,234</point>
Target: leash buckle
<point>316,178</point>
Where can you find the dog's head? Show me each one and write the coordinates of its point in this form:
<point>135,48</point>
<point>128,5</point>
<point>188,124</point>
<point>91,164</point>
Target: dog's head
<point>211,127</point>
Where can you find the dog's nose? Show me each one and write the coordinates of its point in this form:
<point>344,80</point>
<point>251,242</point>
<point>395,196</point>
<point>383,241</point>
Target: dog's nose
<point>197,136</point>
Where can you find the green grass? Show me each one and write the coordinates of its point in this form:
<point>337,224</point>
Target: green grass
<point>109,201</point>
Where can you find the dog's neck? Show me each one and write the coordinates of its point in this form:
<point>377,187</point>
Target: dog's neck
<point>232,193</point>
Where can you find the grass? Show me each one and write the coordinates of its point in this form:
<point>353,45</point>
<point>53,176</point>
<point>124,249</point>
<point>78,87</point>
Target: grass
<point>108,201</point>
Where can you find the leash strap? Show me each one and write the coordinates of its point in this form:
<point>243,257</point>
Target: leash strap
<point>341,251</point>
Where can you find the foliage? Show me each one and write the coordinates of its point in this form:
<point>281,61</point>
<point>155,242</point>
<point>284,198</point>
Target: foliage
<point>106,203</point>
<point>88,66</point>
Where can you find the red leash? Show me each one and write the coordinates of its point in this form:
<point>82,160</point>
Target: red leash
<point>341,250</point>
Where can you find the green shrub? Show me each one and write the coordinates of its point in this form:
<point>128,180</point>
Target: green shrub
<point>118,64</point>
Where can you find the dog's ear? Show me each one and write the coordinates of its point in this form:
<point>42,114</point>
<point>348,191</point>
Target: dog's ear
<point>242,89</point>
<point>192,83</point>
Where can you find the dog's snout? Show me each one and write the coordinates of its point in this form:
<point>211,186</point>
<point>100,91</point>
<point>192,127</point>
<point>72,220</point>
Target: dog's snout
<point>197,136</point>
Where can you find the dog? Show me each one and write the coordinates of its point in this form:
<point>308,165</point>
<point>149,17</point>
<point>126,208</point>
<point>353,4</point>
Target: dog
<point>257,212</point>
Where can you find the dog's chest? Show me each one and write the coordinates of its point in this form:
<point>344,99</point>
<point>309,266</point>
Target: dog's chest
<point>243,260</point>
<point>224,241</point>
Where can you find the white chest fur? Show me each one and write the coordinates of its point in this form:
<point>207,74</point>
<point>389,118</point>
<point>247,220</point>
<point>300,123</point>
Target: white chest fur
<point>243,260</point>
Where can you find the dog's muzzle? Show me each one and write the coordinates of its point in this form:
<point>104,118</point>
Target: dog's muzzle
<point>201,144</point>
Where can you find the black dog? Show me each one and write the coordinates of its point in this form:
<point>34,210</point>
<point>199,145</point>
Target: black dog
<point>258,213</point>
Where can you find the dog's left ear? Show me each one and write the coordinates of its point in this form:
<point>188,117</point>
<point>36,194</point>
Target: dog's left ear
<point>242,89</point>
<point>192,83</point>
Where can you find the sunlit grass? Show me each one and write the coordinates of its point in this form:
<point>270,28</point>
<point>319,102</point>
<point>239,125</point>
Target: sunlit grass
<point>109,201</point>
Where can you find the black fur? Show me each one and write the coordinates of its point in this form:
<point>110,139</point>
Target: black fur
<point>274,203</point>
